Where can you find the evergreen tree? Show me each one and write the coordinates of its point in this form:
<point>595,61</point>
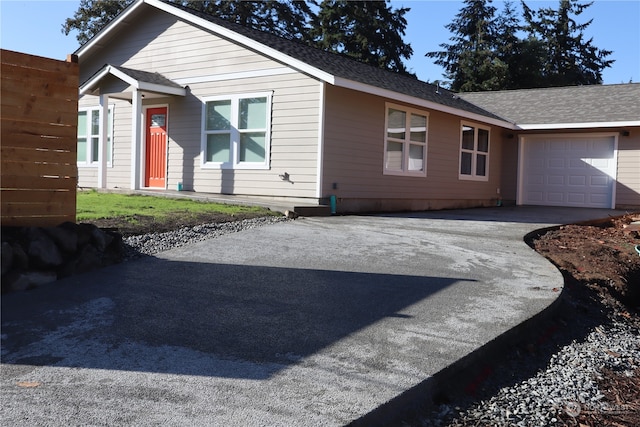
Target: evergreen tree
<point>567,59</point>
<point>368,31</point>
<point>284,18</point>
<point>92,16</point>
<point>471,61</point>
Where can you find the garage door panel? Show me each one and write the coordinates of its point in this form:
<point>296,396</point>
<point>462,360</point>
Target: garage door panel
<point>579,180</point>
<point>579,145</point>
<point>576,198</point>
<point>599,181</point>
<point>556,163</point>
<point>568,171</point>
<point>577,164</point>
<point>556,180</point>
<point>535,196</point>
<point>555,198</point>
<point>599,199</point>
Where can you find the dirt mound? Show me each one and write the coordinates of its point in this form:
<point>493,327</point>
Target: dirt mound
<point>602,256</point>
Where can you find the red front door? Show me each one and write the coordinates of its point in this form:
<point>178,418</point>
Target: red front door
<point>156,148</point>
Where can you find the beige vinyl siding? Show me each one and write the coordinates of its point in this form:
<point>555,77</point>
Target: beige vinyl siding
<point>160,43</point>
<point>354,152</point>
<point>628,179</point>
<point>294,139</point>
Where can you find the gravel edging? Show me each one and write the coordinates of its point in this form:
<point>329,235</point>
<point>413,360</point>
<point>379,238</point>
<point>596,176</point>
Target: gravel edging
<point>153,243</point>
<point>567,386</point>
<point>553,377</point>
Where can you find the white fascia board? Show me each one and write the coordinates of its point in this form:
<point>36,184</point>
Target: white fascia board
<point>551,126</point>
<point>107,29</point>
<point>124,77</point>
<point>245,41</point>
<point>386,93</point>
<point>89,83</point>
<point>109,70</point>
<point>150,87</point>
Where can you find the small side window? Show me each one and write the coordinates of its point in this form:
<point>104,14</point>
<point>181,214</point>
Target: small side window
<point>474,152</point>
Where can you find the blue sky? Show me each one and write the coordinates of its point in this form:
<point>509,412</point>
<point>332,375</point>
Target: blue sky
<point>35,27</point>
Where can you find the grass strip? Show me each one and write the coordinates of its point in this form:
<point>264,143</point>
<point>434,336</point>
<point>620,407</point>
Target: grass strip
<point>97,205</point>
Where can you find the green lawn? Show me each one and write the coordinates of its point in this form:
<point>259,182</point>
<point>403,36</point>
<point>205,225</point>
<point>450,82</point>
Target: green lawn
<point>96,205</point>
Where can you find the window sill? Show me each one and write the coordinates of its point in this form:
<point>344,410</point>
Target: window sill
<point>417,174</point>
<point>473,178</point>
<point>224,166</point>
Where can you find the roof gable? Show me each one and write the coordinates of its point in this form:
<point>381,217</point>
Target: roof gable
<point>141,80</point>
<point>331,68</point>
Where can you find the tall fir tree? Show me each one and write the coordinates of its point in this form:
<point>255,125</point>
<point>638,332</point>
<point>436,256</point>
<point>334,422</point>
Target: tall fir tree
<point>285,18</point>
<point>471,61</point>
<point>368,31</point>
<point>567,58</point>
<point>92,16</point>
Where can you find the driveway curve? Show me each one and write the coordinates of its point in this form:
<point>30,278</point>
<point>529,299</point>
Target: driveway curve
<point>318,321</point>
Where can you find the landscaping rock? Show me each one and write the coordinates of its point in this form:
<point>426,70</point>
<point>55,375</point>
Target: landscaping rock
<point>20,258</point>
<point>39,278</point>
<point>7,257</point>
<point>65,236</point>
<point>33,256</point>
<point>14,281</point>
<point>43,251</point>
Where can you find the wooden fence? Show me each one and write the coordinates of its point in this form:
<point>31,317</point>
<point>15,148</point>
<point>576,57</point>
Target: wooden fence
<point>38,131</point>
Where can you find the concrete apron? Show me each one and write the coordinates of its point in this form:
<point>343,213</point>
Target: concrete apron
<point>320,321</point>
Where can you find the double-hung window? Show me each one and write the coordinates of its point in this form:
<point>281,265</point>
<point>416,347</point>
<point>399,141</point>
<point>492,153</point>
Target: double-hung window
<point>405,141</point>
<point>89,133</point>
<point>236,131</point>
<point>474,152</point>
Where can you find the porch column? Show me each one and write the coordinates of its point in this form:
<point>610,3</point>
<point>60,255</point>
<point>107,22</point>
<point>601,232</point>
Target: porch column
<point>103,127</point>
<point>136,138</point>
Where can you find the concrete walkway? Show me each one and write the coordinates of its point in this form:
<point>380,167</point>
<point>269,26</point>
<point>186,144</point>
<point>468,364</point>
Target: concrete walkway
<point>314,322</point>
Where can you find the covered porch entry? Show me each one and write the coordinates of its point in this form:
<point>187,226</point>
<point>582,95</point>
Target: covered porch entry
<point>149,123</point>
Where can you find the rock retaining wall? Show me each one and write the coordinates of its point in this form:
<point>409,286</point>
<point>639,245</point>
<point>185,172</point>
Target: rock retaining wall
<point>33,256</point>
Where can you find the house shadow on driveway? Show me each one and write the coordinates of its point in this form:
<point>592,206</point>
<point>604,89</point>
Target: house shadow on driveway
<point>221,320</point>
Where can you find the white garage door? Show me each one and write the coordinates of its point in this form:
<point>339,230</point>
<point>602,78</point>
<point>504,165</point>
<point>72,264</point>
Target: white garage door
<point>568,171</point>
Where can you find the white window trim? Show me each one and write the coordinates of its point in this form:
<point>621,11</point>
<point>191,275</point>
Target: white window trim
<point>406,142</point>
<point>473,176</point>
<point>234,162</point>
<point>94,163</point>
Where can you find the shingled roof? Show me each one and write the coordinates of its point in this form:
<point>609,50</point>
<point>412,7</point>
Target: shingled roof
<point>562,106</point>
<point>147,77</point>
<point>347,68</point>
<point>143,80</point>
<point>339,69</point>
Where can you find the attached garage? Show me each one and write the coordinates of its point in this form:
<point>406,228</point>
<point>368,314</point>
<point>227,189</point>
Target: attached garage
<point>577,170</point>
<point>577,146</point>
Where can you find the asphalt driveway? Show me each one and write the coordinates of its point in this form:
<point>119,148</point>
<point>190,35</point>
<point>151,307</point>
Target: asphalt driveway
<point>317,321</point>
